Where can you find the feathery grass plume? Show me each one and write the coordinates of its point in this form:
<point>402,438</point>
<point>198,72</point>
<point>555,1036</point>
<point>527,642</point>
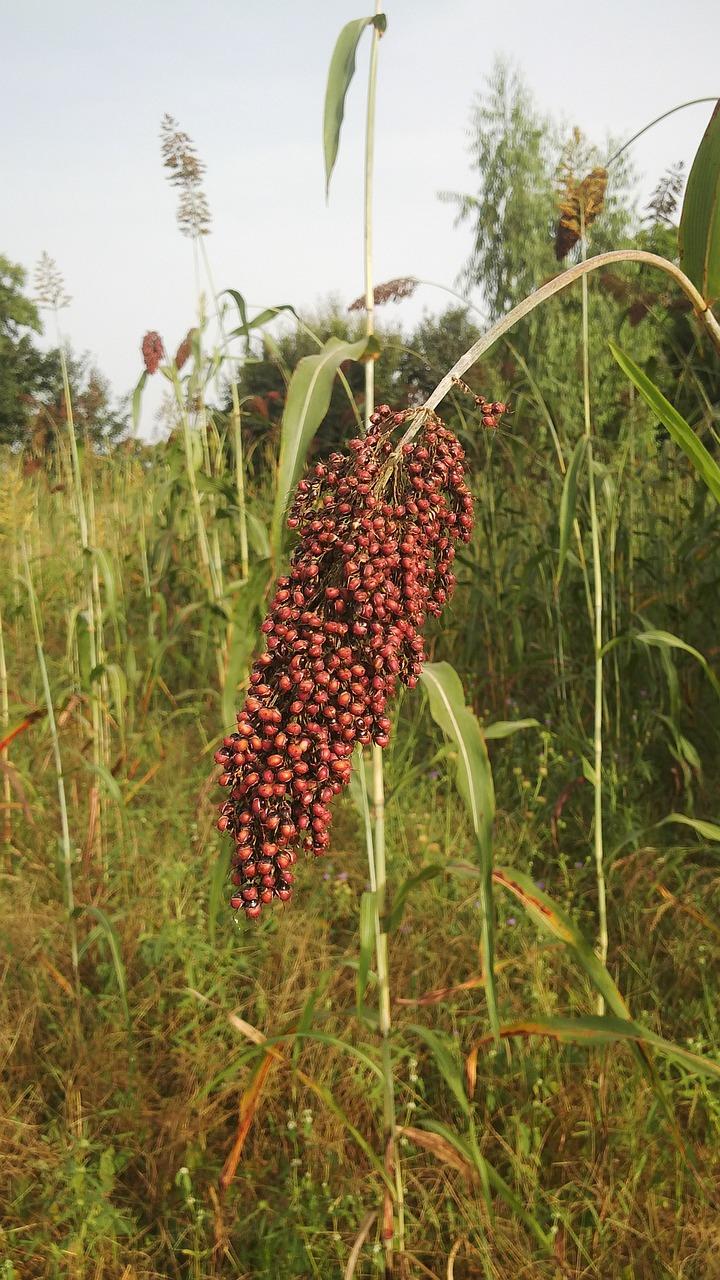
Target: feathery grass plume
<point>579,200</point>
<point>186,172</point>
<point>377,529</point>
<point>153,351</point>
<point>390,291</point>
<point>50,284</point>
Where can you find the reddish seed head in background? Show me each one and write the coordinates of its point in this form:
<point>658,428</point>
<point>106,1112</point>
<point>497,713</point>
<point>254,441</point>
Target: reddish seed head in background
<point>344,630</point>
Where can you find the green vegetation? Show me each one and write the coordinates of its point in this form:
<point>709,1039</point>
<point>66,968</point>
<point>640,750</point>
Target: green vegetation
<point>185,1095</point>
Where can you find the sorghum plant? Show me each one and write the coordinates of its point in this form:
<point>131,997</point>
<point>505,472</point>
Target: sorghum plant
<point>377,528</point>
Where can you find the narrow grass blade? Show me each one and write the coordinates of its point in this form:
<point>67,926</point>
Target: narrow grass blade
<point>395,914</point>
<point>106,929</point>
<point>607,1030</point>
<point>667,640</point>
<point>541,908</point>
<point>506,728</point>
<point>218,879</point>
<point>475,784</point>
<point>568,502</point>
<point>699,236</point>
<point>708,830</point>
<point>681,432</point>
<point>454,1151</point>
<point>340,74</point>
<point>447,1061</point>
<point>137,399</point>
<point>308,400</point>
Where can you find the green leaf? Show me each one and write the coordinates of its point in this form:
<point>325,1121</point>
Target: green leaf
<point>699,237</point>
<point>108,931</point>
<point>117,681</point>
<point>448,1063</point>
<point>608,1030</point>
<point>342,70</point>
<point>545,912</point>
<point>218,880</point>
<point>709,830</point>
<point>568,502</point>
<point>475,784</point>
<point>109,579</point>
<point>308,400</point>
<point>469,1153</point>
<point>137,399</point>
<point>246,618</point>
<point>82,634</point>
<point>111,784</point>
<point>246,325</point>
<point>666,640</point>
<point>505,728</point>
<point>258,535</point>
<point>681,432</point>
<point>398,907</point>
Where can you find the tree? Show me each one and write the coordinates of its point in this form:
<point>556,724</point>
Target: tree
<point>21,363</point>
<point>32,401</point>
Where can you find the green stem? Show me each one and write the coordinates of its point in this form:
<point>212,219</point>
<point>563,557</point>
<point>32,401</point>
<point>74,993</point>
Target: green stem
<point>563,281</point>
<point>680,107</point>
<point>598,641</point>
<point>64,824</point>
<point>89,563</point>
<point>4,726</point>
<point>378,873</point>
<point>236,424</point>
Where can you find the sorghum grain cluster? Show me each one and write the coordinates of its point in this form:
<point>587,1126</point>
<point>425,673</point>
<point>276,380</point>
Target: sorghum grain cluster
<point>153,351</point>
<point>377,530</point>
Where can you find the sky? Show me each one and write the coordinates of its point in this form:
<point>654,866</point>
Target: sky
<point>85,84</point>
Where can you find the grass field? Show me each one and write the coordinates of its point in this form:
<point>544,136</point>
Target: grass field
<point>121,1092</point>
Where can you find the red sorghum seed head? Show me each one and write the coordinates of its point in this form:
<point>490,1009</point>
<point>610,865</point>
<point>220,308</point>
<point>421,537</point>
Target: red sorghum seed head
<point>153,351</point>
<point>374,560</point>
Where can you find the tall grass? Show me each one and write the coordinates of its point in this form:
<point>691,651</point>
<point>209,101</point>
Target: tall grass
<point>165,1037</point>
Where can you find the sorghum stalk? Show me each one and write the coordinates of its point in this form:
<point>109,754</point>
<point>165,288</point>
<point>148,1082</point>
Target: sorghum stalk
<point>378,872</point>
<point>597,637</point>
<point>566,278</point>
<point>64,825</point>
<point>236,426</point>
<point>4,726</point>
<point>89,565</point>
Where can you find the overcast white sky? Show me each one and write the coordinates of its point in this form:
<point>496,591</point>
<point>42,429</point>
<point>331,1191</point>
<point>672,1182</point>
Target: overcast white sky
<point>86,82</point>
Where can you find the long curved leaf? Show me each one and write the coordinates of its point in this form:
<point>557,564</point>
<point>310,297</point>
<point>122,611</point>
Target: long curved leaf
<point>568,502</point>
<point>308,400</point>
<point>545,912</point>
<point>681,432</point>
<point>475,784</point>
<point>699,237</point>
<point>340,74</point>
<point>608,1030</point>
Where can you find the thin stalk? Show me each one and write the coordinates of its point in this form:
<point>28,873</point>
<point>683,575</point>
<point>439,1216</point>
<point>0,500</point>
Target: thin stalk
<point>4,727</point>
<point>64,824</point>
<point>89,565</point>
<point>598,642</point>
<point>203,547</point>
<point>680,107</point>
<point>378,872</point>
<point>563,281</point>
<point>236,423</point>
